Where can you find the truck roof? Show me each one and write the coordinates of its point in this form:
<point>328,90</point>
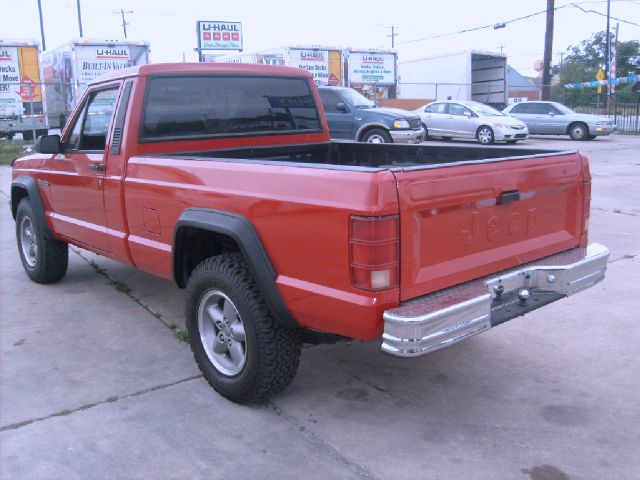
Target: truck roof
<point>15,42</point>
<point>201,68</point>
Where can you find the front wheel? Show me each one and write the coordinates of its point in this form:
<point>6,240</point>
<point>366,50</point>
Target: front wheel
<point>45,260</point>
<point>485,135</point>
<point>579,131</point>
<point>242,351</point>
<point>377,135</point>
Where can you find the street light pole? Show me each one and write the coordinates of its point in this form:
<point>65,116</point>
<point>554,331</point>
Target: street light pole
<point>548,50</point>
<point>607,47</point>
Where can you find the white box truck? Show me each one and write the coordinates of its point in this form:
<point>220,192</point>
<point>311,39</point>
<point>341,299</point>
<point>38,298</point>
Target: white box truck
<point>324,63</point>
<point>69,68</point>
<point>468,75</point>
<point>22,109</point>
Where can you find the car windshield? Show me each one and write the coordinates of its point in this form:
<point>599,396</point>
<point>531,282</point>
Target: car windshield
<point>484,110</point>
<point>562,109</point>
<point>356,99</point>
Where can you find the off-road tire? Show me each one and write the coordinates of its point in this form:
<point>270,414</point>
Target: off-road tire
<point>272,351</point>
<point>51,257</point>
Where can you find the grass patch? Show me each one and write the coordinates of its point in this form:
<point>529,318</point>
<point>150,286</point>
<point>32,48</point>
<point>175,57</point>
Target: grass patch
<point>181,335</point>
<point>11,149</point>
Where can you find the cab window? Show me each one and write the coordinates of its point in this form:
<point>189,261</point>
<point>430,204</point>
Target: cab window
<point>92,124</point>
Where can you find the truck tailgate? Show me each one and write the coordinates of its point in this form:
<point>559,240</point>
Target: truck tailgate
<point>465,221</point>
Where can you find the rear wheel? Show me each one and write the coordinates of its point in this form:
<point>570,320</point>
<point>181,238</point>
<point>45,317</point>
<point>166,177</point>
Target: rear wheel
<point>485,135</point>
<point>242,351</point>
<point>27,135</point>
<point>579,131</point>
<point>45,260</point>
<point>376,135</point>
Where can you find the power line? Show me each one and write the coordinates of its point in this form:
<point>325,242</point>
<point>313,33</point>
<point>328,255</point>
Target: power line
<point>603,14</point>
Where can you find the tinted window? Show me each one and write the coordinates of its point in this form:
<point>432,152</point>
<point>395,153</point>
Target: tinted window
<point>215,105</point>
<point>330,101</point>
<point>92,124</point>
<point>436,108</point>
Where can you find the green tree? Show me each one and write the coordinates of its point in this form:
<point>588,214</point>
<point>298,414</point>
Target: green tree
<point>582,62</point>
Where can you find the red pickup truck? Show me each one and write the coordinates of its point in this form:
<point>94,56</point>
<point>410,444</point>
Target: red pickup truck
<point>223,178</point>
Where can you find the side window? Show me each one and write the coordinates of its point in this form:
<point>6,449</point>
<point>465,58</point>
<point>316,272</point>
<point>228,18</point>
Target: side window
<point>542,108</point>
<point>91,127</point>
<point>459,110</point>
<point>436,108</point>
<point>329,101</point>
<point>521,108</point>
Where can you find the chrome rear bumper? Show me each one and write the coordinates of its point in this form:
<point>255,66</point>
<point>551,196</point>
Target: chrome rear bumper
<point>442,318</point>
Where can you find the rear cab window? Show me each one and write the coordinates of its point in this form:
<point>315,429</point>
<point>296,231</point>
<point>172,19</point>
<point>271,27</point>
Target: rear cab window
<point>196,106</point>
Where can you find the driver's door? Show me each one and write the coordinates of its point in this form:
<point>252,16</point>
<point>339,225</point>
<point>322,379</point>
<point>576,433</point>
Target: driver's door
<point>78,179</point>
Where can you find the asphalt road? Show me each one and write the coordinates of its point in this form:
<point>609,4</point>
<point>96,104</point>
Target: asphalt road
<point>94,385</point>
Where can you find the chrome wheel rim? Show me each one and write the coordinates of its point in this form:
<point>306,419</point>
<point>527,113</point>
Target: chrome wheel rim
<point>222,333</point>
<point>28,242</point>
<point>578,132</point>
<point>375,138</point>
<point>485,135</point>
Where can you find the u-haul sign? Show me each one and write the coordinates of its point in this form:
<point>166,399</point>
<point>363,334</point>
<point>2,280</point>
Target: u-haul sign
<point>219,35</point>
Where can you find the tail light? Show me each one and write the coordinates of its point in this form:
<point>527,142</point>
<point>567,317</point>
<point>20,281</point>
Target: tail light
<point>374,248</point>
<point>586,209</point>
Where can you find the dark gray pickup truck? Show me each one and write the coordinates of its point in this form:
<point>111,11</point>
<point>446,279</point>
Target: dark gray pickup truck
<point>351,116</point>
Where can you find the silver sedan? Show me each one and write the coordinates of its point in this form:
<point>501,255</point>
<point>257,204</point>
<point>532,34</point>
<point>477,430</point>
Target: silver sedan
<point>467,119</point>
<point>553,118</point>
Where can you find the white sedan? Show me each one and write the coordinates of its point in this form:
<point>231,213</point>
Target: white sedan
<point>467,119</point>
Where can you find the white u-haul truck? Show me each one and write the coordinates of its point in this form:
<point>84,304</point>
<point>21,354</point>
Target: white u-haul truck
<point>68,69</point>
<point>22,109</point>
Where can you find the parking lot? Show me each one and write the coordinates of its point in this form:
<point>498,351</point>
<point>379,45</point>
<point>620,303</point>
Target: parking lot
<point>94,384</point>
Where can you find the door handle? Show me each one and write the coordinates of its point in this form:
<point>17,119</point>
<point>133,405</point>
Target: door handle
<point>96,167</point>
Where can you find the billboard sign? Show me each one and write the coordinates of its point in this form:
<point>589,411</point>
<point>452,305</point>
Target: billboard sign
<point>372,68</point>
<point>219,35</point>
<point>314,61</point>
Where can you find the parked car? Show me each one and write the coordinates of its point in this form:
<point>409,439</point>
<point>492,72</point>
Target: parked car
<point>553,118</point>
<point>352,116</point>
<point>468,119</point>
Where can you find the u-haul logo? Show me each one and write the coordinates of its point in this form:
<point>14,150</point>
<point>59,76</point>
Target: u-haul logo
<point>112,53</point>
<point>5,55</point>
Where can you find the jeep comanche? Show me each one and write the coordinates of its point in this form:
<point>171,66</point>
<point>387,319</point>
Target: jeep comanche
<point>223,178</point>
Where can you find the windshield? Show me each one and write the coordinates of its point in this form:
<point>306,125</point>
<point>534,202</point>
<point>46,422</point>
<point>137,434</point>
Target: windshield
<point>356,99</point>
<point>562,109</point>
<point>484,110</point>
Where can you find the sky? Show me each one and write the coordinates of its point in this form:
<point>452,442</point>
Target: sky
<point>170,27</point>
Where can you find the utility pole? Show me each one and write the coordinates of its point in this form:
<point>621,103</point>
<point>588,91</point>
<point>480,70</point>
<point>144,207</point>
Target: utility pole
<point>124,22</point>
<point>44,45</point>
<point>79,18</point>
<point>548,50</point>
<point>393,36</point>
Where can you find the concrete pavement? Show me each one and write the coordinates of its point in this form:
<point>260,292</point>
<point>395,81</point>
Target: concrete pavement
<point>94,385</point>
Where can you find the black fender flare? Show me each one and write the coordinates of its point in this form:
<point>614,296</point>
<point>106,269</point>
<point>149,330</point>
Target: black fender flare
<point>242,231</point>
<point>28,185</point>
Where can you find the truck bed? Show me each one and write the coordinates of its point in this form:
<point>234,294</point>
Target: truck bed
<point>349,155</point>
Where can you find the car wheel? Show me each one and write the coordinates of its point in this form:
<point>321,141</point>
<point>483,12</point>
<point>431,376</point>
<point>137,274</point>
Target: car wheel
<point>45,260</point>
<point>579,131</point>
<point>485,135</point>
<point>376,135</point>
<point>27,135</point>
<point>426,132</point>
<point>241,349</point>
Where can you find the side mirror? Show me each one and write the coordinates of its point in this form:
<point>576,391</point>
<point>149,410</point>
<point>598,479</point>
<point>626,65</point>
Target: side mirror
<point>48,144</point>
<point>342,107</point>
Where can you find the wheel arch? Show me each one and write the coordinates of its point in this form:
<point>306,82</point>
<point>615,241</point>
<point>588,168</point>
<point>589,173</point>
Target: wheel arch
<point>26,187</point>
<point>577,122</point>
<point>369,126</point>
<point>236,233</point>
